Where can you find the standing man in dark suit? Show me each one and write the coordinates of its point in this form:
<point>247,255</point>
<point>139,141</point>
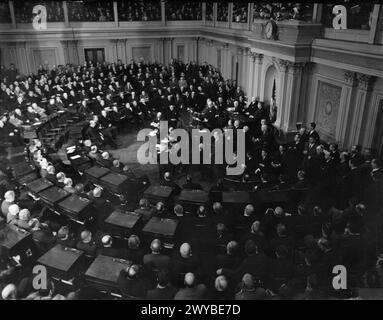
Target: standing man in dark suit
<point>313,133</point>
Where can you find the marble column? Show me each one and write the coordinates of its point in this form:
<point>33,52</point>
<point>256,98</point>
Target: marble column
<point>114,43</point>
<point>292,101</point>
<point>361,101</point>
<point>280,101</point>
<point>250,75</point>
<point>12,13</point>
<point>258,60</point>
<point>66,16</point>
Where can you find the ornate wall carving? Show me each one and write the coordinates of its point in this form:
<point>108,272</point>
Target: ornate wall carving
<point>327,107</point>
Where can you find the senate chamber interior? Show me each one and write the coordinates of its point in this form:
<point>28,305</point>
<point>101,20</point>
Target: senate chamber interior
<point>79,212</point>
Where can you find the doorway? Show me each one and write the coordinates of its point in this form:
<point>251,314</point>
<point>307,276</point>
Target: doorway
<point>95,55</point>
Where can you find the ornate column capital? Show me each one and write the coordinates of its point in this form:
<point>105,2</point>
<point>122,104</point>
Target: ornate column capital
<point>283,64</point>
<point>240,51</point>
<point>225,46</point>
<point>350,78</point>
<point>364,81</point>
<point>257,57</point>
<point>295,67</point>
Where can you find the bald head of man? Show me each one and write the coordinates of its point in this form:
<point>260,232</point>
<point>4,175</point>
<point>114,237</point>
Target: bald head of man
<point>189,280</point>
<point>221,283</point>
<point>156,246</point>
<point>185,250</point>
<point>249,210</point>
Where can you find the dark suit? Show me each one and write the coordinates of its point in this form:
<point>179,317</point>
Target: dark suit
<point>156,261</point>
<point>166,293</point>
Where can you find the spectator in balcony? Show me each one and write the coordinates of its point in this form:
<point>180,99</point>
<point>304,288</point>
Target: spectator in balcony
<point>240,12</point>
<point>139,10</point>
<point>24,11</point>
<point>209,11</point>
<point>184,11</point>
<point>222,12</point>
<point>90,11</point>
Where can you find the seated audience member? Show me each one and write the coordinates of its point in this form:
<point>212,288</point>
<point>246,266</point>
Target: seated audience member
<point>132,282</point>
<point>42,235</point>
<point>13,213</point>
<point>68,185</point>
<point>107,248</point>
<point>117,167</point>
<point>164,289</point>
<point>51,174</point>
<point>86,243</point>
<point>23,220</point>
<point>60,178</point>
<point>9,199</point>
<point>134,252</point>
<point>256,263</point>
<point>221,290</point>
<point>9,292</point>
<point>168,182</point>
<point>144,209</point>
<point>65,238</point>
<point>249,290</point>
<point>184,261</point>
<point>190,185</point>
<point>231,259</point>
<point>192,290</point>
<point>155,260</point>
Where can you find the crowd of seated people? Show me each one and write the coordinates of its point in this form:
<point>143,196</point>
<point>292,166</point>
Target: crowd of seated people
<point>23,11</point>
<point>94,11</point>
<point>247,252</point>
<point>283,11</point>
<point>222,12</point>
<point>240,12</point>
<point>209,15</point>
<point>5,16</point>
<point>139,10</point>
<point>183,11</point>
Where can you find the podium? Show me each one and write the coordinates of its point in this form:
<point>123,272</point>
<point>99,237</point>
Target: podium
<point>17,242</point>
<point>122,224</point>
<point>163,229</point>
<point>22,169</point>
<point>159,193</point>
<point>75,207</point>
<point>53,195</point>
<point>192,199</point>
<point>114,182</point>
<point>103,273</point>
<point>95,173</point>
<point>63,263</point>
<point>38,185</point>
<point>234,200</point>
